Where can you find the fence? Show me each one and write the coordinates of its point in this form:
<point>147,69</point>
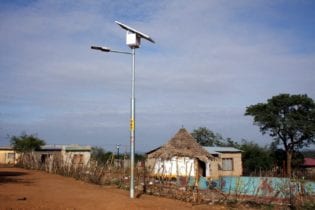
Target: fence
<point>268,189</point>
<point>262,190</point>
<point>265,186</point>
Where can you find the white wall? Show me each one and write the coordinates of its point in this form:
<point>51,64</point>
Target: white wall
<point>177,166</point>
<point>69,155</point>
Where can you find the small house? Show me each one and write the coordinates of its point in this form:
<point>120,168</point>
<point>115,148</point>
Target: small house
<point>228,161</point>
<point>183,156</point>
<point>8,155</point>
<point>180,156</point>
<point>309,167</point>
<point>75,155</point>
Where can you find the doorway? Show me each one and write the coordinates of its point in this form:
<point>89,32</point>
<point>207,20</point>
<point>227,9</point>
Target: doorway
<point>202,168</point>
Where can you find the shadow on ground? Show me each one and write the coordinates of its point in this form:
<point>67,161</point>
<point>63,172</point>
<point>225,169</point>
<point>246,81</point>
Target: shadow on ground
<point>12,176</point>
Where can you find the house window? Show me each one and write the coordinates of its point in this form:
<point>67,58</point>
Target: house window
<point>227,164</point>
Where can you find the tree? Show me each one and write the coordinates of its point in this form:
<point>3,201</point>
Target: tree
<point>230,143</point>
<point>206,137</point>
<point>100,155</point>
<point>279,158</point>
<point>289,119</point>
<point>309,153</point>
<point>139,157</point>
<point>255,158</point>
<point>26,143</point>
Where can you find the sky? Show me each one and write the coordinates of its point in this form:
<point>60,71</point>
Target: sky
<point>211,60</point>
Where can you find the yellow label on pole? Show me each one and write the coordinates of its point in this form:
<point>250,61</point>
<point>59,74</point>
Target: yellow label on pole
<point>132,124</point>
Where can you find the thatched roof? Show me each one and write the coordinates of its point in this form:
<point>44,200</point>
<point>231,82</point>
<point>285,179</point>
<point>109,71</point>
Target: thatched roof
<point>181,145</point>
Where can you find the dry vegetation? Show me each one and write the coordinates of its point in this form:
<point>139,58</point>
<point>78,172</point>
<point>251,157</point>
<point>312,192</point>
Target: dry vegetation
<point>180,189</point>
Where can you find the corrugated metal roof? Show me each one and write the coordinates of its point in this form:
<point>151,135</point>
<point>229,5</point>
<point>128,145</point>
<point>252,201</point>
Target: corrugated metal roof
<point>51,147</point>
<point>217,150</point>
<point>309,162</point>
<point>54,147</point>
<point>6,148</point>
<point>73,147</point>
<point>77,148</point>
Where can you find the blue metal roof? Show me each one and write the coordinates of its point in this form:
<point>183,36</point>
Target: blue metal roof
<point>66,147</point>
<point>217,150</point>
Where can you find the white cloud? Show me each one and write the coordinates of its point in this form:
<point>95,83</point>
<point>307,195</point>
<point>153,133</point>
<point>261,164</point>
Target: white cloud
<point>211,60</point>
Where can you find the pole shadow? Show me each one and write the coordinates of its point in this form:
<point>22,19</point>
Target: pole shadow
<point>13,177</point>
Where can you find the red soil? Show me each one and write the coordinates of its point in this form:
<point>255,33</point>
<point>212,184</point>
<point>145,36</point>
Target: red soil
<point>28,189</point>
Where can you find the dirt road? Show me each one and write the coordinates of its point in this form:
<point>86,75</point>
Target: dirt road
<point>27,189</point>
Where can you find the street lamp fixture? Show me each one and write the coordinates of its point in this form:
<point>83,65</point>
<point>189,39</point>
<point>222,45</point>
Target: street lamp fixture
<point>106,49</point>
<point>133,40</point>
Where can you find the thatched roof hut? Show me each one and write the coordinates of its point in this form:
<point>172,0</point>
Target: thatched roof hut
<point>181,145</point>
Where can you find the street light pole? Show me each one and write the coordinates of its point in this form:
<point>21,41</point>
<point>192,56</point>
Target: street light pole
<point>132,125</point>
<point>133,39</point>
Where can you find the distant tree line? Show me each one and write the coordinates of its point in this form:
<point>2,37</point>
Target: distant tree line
<point>102,156</point>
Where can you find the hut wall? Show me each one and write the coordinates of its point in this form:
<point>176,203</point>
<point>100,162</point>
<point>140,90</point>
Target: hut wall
<point>76,157</point>
<point>67,157</point>
<point>176,166</point>
<point>8,156</point>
